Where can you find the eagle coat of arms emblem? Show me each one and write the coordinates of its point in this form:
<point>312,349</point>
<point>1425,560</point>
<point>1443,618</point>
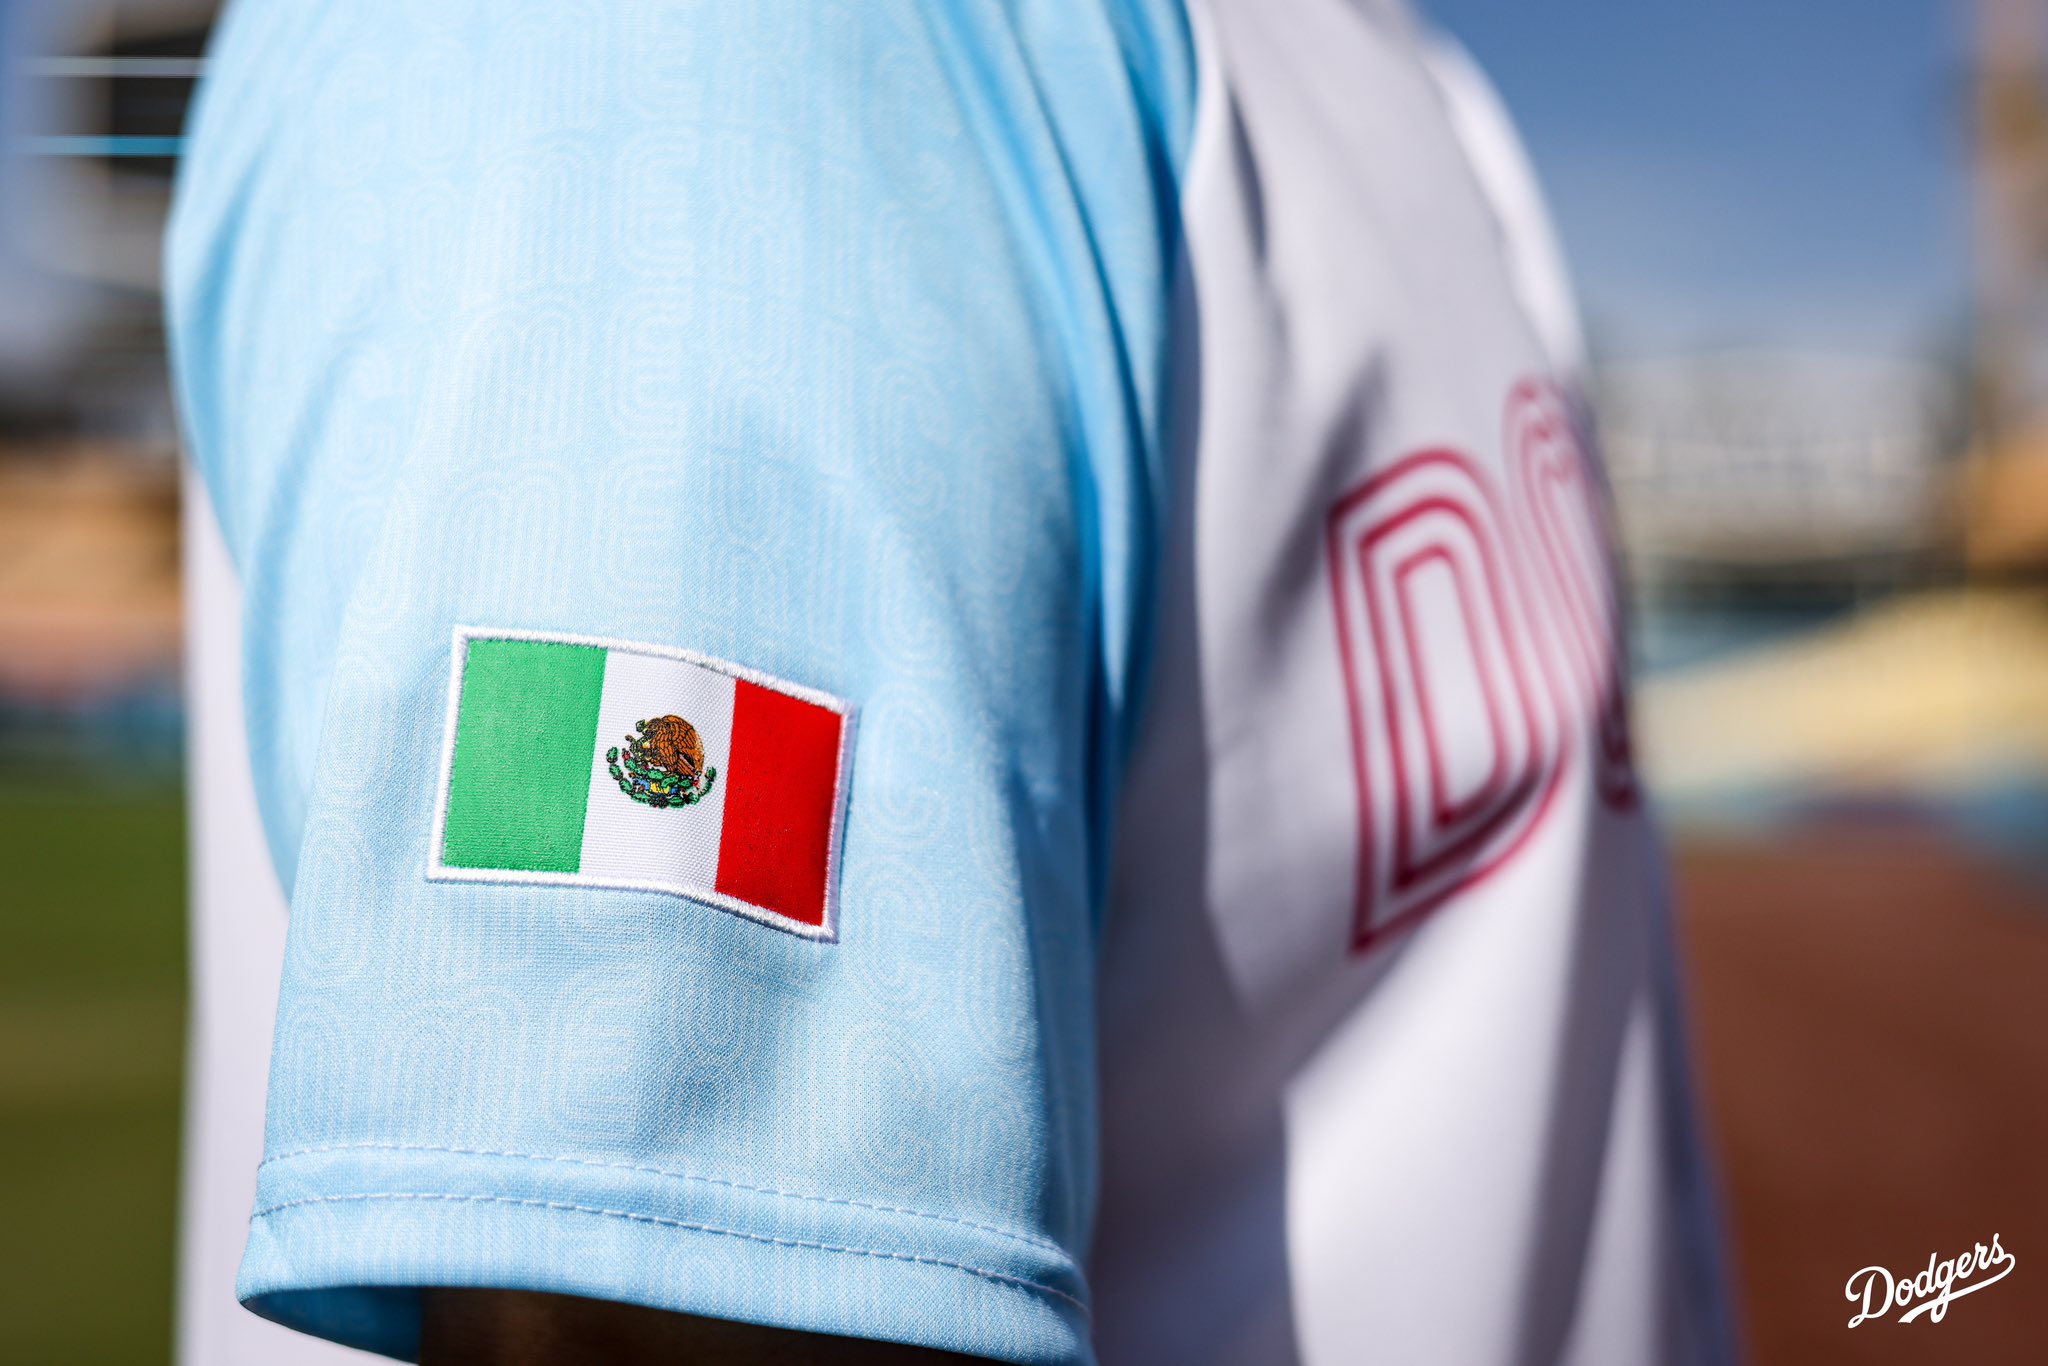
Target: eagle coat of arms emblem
<point>662,764</point>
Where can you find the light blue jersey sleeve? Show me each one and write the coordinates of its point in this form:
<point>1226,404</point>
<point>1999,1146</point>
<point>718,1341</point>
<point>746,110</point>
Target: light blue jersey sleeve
<point>825,340</point>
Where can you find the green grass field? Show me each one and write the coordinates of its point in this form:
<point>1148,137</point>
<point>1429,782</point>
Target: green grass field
<point>92,1037</point>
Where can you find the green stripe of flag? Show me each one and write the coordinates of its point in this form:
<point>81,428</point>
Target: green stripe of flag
<point>525,735</point>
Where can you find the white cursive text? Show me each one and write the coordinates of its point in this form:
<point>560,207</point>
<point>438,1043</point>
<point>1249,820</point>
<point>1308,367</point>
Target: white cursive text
<point>1881,1292</point>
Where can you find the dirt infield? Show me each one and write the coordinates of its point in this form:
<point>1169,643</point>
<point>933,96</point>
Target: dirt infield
<point>1871,1014</point>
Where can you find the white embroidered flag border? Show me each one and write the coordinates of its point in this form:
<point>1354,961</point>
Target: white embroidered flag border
<point>585,761</point>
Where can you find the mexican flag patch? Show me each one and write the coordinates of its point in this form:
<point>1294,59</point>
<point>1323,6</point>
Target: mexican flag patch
<point>602,763</point>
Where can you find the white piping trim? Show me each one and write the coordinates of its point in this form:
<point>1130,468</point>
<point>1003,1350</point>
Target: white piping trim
<point>760,915</point>
<point>829,931</point>
<point>437,871</point>
<point>459,652</point>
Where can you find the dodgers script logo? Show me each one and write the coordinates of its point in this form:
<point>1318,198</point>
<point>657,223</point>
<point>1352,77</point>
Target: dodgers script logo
<point>1935,1288</point>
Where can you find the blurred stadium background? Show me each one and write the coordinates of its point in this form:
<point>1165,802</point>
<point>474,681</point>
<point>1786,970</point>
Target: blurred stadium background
<point>1835,520</point>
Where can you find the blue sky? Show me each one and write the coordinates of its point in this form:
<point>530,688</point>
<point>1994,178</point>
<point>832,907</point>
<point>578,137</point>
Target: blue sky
<point>1746,173</point>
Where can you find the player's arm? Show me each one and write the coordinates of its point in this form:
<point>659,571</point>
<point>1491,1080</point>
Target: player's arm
<point>693,477</point>
<point>525,1328</point>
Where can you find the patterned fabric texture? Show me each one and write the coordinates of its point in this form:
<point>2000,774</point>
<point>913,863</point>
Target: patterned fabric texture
<point>828,340</point>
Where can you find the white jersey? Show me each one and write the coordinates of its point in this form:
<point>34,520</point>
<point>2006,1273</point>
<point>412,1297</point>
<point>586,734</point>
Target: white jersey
<point>1386,1043</point>
<point>1330,1136</point>
<point>238,924</point>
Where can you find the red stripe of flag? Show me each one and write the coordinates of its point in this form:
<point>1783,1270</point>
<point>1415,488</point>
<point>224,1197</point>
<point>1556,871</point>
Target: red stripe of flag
<point>780,795</point>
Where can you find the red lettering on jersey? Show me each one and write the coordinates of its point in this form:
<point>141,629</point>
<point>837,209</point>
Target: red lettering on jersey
<point>1477,647</point>
<point>1434,631</point>
<point>1562,524</point>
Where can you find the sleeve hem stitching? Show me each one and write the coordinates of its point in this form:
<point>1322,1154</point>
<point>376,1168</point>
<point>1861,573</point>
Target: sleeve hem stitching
<point>1029,1240</point>
<point>1013,1282</point>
